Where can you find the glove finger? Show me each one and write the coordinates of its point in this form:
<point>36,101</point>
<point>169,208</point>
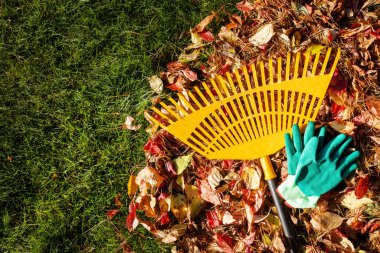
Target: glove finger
<point>289,147</point>
<point>347,171</point>
<point>332,145</point>
<point>321,137</point>
<point>347,160</point>
<point>308,156</point>
<point>339,152</point>
<point>309,132</point>
<point>297,138</point>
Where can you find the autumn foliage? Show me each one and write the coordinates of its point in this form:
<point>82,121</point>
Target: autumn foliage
<point>203,205</point>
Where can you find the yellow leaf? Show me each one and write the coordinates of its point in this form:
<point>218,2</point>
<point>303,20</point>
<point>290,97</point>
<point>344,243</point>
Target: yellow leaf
<point>132,186</point>
<point>195,200</point>
<point>251,177</point>
<point>182,162</point>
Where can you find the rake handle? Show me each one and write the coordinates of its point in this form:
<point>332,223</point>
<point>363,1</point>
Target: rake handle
<point>287,226</point>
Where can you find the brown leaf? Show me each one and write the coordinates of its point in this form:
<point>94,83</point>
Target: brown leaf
<point>345,127</point>
<point>201,26</point>
<point>326,221</point>
<point>147,203</point>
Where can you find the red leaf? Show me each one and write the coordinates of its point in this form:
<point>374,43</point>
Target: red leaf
<point>207,193</point>
<point>165,219</point>
<point>225,242</point>
<point>227,164</point>
<point>207,36</point>
<point>111,213</point>
<point>191,75</point>
<point>213,219</point>
<point>175,87</point>
<point>362,187</point>
<point>132,221</point>
<point>224,69</point>
<point>244,6</point>
<point>336,110</point>
<point>154,146</point>
<point>375,226</point>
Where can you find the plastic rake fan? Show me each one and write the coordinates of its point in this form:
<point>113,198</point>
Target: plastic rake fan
<point>245,115</point>
<point>235,117</point>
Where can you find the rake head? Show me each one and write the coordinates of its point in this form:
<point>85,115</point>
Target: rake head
<point>244,115</point>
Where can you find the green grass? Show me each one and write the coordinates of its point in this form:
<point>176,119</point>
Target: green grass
<point>70,71</point>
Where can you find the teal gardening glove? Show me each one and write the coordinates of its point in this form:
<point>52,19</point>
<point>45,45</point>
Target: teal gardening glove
<point>294,149</point>
<point>318,172</point>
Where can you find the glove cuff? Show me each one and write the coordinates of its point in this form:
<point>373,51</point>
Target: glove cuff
<point>285,187</point>
<point>307,202</point>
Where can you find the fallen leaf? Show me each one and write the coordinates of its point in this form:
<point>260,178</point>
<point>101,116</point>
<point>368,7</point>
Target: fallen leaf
<point>132,186</point>
<point>111,213</point>
<point>128,124</point>
<point>225,242</point>
<point>362,187</point>
<point>191,75</point>
<point>228,218</point>
<point>179,207</point>
<point>244,6</point>
<point>263,35</point>
<point>148,178</point>
<point>207,36</point>
<point>147,204</point>
<point>345,127</point>
<point>131,220</point>
<point>214,177</point>
<point>192,194</point>
<point>277,244</point>
<point>212,219</point>
<point>207,193</point>
<point>156,84</point>
<point>326,221</point>
<point>350,201</point>
<point>182,162</point>
<point>367,118</point>
<point>251,177</point>
<point>201,26</point>
<point>171,235</point>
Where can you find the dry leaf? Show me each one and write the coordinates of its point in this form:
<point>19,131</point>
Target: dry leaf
<point>207,193</point>
<point>132,186</point>
<point>263,35</point>
<point>326,221</point>
<point>128,124</point>
<point>156,84</point>
<point>345,127</point>
<point>350,201</point>
<point>214,177</point>
<point>251,177</point>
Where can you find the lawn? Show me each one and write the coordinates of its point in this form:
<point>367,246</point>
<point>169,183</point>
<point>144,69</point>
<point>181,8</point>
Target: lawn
<point>70,72</point>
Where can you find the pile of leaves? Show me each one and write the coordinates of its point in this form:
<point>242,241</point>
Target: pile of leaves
<point>203,205</point>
